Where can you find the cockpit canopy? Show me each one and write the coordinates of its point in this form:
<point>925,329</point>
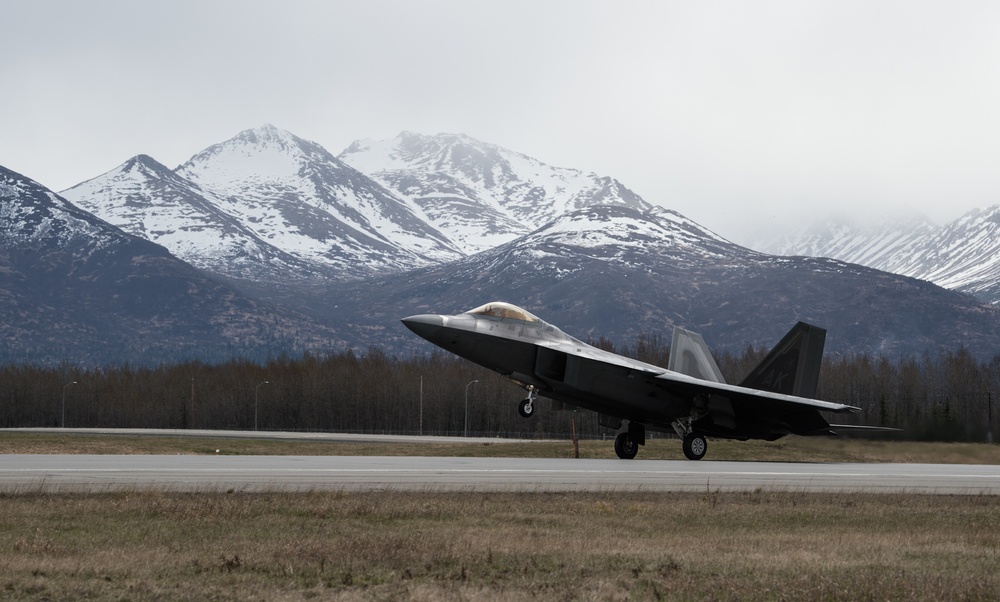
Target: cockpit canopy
<point>499,309</point>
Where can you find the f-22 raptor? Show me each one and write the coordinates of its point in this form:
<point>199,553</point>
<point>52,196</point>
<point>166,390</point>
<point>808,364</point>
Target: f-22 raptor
<point>689,397</point>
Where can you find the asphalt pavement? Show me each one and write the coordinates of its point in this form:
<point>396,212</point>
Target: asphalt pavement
<point>184,473</point>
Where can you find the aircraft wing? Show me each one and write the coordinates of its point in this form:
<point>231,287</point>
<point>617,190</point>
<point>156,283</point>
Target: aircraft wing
<point>742,412</point>
<point>752,401</point>
<point>681,383</point>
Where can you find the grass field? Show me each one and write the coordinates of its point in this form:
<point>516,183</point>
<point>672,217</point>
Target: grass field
<point>427,546</point>
<point>500,546</point>
<point>789,449</point>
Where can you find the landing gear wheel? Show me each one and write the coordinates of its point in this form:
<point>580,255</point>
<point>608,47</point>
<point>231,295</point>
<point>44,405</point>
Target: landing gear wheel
<point>695,446</point>
<point>625,447</point>
<point>526,408</point>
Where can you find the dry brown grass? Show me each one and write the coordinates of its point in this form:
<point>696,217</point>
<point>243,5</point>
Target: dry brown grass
<point>789,449</point>
<point>440,546</point>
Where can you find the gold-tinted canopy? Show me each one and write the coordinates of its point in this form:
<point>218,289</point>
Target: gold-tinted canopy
<point>500,309</point>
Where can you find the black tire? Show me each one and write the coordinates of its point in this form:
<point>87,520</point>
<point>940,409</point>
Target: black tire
<point>625,447</point>
<point>695,446</point>
<point>526,408</point>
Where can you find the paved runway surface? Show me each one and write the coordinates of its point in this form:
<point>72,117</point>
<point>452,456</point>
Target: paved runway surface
<point>22,473</point>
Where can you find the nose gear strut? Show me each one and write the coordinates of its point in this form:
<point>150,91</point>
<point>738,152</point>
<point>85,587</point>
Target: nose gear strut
<point>526,408</point>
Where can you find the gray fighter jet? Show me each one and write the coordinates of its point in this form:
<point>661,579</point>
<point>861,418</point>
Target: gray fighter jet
<point>689,397</point>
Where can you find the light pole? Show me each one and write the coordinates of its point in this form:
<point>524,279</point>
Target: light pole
<point>64,403</point>
<point>989,419</point>
<point>255,391</point>
<point>467,407</point>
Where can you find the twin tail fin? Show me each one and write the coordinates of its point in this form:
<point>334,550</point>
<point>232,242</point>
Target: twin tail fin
<point>792,367</point>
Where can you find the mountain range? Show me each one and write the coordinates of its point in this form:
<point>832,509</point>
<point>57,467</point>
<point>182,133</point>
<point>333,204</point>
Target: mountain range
<point>479,194</point>
<point>267,243</point>
<point>74,288</point>
<point>266,206</point>
<point>617,273</point>
<point>963,255</point>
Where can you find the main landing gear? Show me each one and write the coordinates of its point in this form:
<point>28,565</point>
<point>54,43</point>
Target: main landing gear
<point>527,406</point>
<point>625,447</point>
<point>695,445</point>
<point>627,442</point>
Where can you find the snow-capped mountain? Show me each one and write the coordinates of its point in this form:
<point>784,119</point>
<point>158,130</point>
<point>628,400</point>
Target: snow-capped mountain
<point>963,255</point>
<point>267,206</point>
<point>614,236</point>
<point>851,241</point>
<point>75,288</point>
<point>479,194</point>
<point>300,198</point>
<point>33,217</point>
<point>147,199</point>
<point>615,228</point>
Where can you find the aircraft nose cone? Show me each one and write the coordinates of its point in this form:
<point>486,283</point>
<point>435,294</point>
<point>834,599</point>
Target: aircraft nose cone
<point>424,325</point>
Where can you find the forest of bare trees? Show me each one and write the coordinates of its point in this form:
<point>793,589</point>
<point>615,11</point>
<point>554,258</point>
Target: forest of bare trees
<point>948,397</point>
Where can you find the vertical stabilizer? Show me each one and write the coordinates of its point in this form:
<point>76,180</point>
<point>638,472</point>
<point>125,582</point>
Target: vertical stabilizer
<point>792,367</point>
<point>690,355</point>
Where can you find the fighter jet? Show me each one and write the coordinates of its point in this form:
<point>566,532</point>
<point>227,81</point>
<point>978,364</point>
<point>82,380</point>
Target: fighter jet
<point>689,397</point>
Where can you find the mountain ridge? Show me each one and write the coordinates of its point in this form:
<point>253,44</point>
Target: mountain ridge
<point>481,195</point>
<point>268,206</point>
<point>286,180</point>
<point>147,199</point>
<point>622,289</point>
<point>77,289</point>
<point>962,255</point>
<point>326,249</point>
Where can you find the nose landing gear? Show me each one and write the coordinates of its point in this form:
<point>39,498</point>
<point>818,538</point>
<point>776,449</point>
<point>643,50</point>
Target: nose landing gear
<point>527,406</point>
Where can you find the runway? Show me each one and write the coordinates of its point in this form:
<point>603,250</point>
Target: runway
<point>105,473</point>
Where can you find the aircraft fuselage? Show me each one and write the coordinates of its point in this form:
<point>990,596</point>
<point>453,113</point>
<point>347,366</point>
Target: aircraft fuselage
<point>559,366</point>
<point>690,399</point>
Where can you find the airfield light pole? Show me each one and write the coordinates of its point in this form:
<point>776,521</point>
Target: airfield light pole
<point>64,403</point>
<point>467,407</point>
<point>989,421</point>
<point>255,391</point>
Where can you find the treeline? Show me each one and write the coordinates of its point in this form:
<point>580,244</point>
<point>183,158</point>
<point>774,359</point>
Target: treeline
<point>948,397</point>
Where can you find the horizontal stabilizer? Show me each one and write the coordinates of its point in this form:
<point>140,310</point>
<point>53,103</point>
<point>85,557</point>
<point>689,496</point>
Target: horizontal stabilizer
<point>859,427</point>
<point>689,355</point>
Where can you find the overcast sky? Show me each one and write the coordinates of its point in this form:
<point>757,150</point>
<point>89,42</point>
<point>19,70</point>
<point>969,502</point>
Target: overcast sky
<point>741,115</point>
